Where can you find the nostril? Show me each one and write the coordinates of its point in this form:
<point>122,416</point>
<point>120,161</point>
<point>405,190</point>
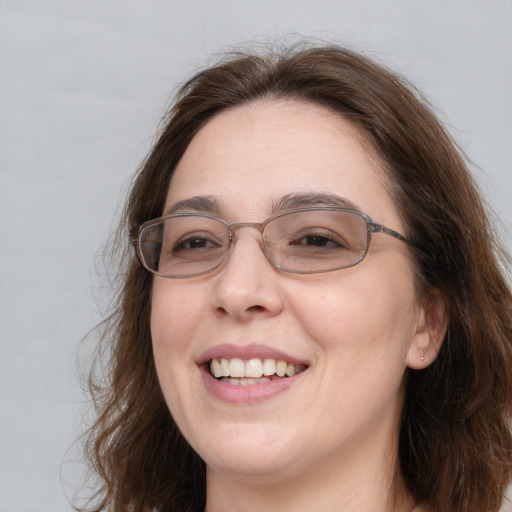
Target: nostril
<point>221,310</point>
<point>256,309</point>
<point>251,309</point>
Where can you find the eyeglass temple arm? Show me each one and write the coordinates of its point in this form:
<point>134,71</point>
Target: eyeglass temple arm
<point>379,228</point>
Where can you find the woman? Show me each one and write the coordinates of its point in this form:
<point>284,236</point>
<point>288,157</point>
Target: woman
<point>318,318</point>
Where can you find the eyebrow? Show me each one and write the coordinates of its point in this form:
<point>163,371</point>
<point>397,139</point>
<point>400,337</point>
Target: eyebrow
<point>209,204</point>
<point>304,200</point>
<point>200,204</point>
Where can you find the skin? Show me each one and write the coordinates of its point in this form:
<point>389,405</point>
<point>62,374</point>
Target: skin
<point>329,441</point>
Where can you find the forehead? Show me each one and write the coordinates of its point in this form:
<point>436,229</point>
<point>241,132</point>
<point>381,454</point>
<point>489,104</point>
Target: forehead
<point>249,157</point>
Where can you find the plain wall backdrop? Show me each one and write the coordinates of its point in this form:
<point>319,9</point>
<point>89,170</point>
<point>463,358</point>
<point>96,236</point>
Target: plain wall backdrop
<point>83,84</point>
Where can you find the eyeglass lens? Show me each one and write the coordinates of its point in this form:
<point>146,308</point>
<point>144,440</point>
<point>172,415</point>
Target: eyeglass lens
<point>302,242</point>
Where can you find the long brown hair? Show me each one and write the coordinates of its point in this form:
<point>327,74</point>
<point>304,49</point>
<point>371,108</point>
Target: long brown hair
<point>455,446</point>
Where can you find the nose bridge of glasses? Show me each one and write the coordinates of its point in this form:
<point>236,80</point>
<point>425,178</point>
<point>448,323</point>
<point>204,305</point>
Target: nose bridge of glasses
<point>234,228</point>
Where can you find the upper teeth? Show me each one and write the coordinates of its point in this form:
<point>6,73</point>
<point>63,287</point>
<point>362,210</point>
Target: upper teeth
<point>253,368</point>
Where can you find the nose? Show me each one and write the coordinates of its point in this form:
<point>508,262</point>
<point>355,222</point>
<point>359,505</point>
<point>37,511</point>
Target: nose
<point>247,285</point>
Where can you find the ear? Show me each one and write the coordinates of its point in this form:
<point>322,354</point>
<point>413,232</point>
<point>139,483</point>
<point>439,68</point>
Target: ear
<point>431,327</point>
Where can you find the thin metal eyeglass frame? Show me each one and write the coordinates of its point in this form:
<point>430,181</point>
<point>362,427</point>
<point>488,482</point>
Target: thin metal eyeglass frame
<point>372,227</point>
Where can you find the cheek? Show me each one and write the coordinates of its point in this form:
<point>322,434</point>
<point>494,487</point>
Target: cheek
<point>175,314</point>
<point>363,314</point>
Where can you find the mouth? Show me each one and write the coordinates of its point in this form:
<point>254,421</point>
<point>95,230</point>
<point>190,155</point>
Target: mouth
<point>245,372</point>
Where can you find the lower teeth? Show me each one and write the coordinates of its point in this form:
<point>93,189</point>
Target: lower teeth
<point>248,381</point>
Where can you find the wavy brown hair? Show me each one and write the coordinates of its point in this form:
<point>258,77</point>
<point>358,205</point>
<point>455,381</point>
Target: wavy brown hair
<point>455,445</point>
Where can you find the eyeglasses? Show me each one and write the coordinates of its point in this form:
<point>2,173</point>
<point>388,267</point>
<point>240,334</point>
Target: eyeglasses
<point>302,241</point>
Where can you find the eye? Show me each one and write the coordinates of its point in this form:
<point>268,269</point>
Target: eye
<point>321,238</point>
<point>196,242</point>
<point>316,241</point>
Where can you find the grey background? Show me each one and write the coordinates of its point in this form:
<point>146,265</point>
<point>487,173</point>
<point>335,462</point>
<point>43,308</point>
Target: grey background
<point>83,85</point>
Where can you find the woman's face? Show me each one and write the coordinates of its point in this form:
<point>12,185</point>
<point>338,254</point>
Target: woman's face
<point>353,330</point>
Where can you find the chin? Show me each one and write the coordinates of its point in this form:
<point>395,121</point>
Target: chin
<point>254,451</point>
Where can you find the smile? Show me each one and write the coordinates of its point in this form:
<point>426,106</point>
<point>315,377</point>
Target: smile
<point>236,371</point>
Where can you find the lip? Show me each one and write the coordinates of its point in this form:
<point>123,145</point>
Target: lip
<point>253,393</point>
